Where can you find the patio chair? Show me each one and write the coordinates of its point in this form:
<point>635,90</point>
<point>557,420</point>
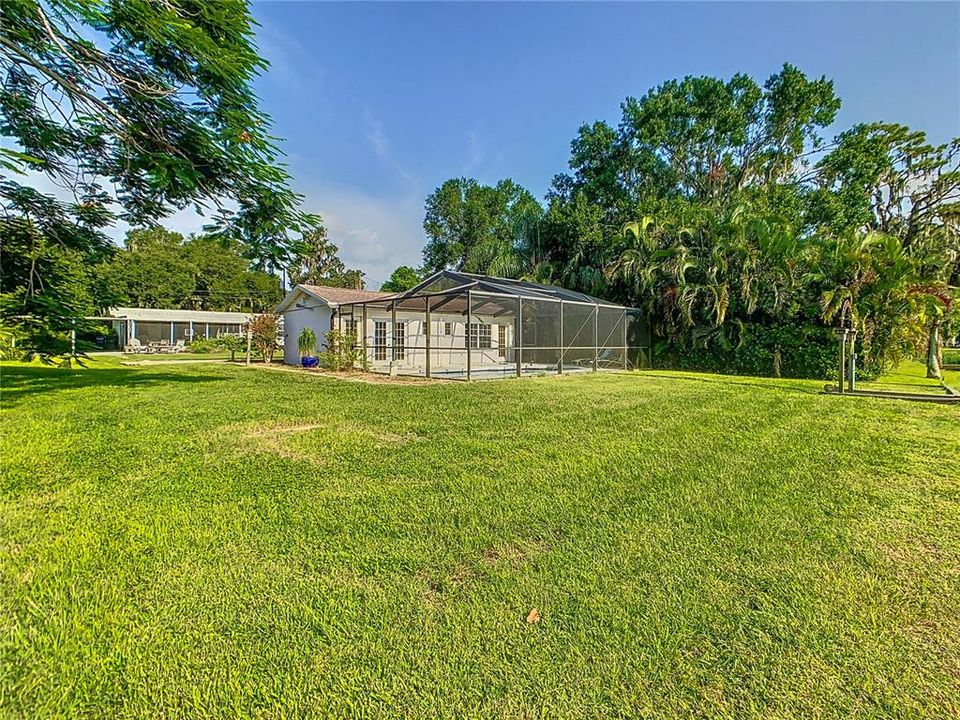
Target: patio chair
<point>133,346</point>
<point>180,346</point>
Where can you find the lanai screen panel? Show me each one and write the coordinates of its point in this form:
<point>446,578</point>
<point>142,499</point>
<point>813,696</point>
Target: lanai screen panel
<point>638,340</point>
<point>579,342</point>
<point>540,335</point>
<point>493,334</point>
<point>611,325</point>
<point>463,326</point>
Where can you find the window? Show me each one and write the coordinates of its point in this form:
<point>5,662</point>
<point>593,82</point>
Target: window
<point>350,326</point>
<point>501,341</point>
<point>400,340</point>
<point>379,339</point>
<point>479,335</point>
<point>448,328</point>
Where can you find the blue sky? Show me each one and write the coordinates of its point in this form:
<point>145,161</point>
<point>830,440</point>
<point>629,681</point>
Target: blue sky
<point>380,103</point>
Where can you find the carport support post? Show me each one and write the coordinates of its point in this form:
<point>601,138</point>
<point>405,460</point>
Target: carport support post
<point>518,340</point>
<point>426,328</point>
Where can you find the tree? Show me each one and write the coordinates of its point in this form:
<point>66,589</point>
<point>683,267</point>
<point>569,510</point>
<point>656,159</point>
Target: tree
<point>401,279</point>
<point>151,272</point>
<point>154,100</point>
<point>264,330</point>
<point>232,344</point>
<point>884,178</point>
<point>472,227</point>
<point>316,263</point>
<point>160,268</point>
<point>698,142</point>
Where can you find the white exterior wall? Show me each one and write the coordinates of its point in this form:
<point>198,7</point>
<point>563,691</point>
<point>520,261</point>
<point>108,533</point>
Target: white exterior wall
<point>305,312</point>
<point>446,351</point>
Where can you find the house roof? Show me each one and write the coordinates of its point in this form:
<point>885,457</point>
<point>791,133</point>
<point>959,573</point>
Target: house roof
<point>330,296</point>
<point>171,315</point>
<point>451,282</point>
<point>343,295</point>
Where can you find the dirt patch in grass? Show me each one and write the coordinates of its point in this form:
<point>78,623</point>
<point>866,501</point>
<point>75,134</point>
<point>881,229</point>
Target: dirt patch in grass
<point>271,437</point>
<point>512,554</point>
<point>354,376</point>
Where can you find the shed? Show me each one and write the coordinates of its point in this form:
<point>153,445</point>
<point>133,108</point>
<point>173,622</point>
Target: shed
<point>314,306</point>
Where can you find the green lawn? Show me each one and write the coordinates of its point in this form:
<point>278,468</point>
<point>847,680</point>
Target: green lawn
<point>208,540</point>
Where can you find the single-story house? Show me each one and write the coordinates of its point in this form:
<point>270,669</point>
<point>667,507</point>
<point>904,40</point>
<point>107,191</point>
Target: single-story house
<point>162,325</point>
<point>315,306</point>
<point>466,326</point>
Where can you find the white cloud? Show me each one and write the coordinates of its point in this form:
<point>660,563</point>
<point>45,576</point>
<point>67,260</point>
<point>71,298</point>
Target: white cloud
<point>374,234</point>
<point>377,138</point>
<point>475,152</point>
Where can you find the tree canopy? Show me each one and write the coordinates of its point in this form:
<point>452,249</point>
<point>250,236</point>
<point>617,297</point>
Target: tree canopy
<point>160,268</point>
<point>403,278</point>
<point>722,208</point>
<point>316,262</point>
<point>473,227</point>
<point>133,109</point>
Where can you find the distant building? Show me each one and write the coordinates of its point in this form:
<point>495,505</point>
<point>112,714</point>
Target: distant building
<point>160,325</point>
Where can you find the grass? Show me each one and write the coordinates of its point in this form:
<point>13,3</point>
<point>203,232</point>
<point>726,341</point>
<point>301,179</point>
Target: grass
<point>166,357</point>
<point>910,377</point>
<point>208,540</point>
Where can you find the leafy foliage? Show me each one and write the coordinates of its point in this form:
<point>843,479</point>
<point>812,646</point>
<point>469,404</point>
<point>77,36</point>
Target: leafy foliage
<point>264,332</point>
<point>232,344</point>
<point>203,346</point>
<point>473,227</point>
<point>307,342</point>
<point>316,263</point>
<point>343,352</point>
<point>159,268</point>
<point>403,278</point>
<point>154,101</point>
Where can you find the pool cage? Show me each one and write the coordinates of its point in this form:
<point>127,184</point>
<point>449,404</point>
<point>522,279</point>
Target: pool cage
<point>471,327</point>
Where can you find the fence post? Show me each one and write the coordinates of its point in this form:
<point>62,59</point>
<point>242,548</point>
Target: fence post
<point>518,340</point>
<point>852,363</point>
<point>560,366</point>
<point>842,342</point>
<point>427,329</point>
<point>596,339</point>
<point>469,343</point>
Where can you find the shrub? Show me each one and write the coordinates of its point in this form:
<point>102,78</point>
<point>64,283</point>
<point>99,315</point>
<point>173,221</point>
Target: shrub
<point>343,352</point>
<point>232,344</point>
<point>264,329</point>
<point>788,350</point>
<point>307,342</point>
<point>202,345</point>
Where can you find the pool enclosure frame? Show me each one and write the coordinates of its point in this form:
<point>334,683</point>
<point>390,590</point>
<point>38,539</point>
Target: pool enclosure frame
<point>469,327</point>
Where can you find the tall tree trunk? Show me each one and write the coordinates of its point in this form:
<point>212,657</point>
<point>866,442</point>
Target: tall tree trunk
<point>933,350</point>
